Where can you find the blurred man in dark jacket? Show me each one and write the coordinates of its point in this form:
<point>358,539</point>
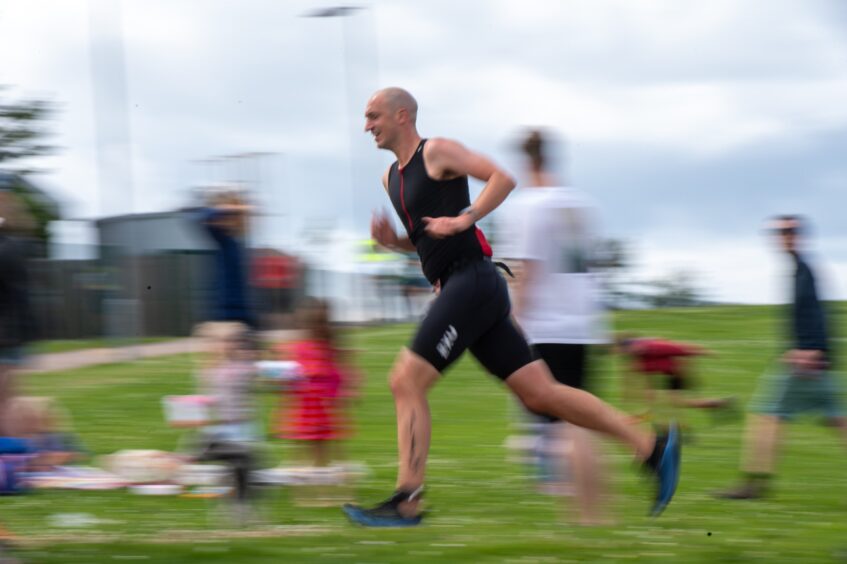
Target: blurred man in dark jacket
<point>16,318</point>
<point>226,221</point>
<point>805,382</point>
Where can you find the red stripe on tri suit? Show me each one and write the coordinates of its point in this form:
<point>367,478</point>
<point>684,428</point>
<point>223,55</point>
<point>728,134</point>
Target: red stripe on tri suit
<point>403,201</point>
<point>483,242</point>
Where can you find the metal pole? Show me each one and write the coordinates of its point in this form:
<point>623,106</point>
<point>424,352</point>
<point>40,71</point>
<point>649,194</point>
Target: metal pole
<point>345,12</point>
<point>114,158</point>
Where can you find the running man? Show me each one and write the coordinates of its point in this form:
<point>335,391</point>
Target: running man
<point>428,186</point>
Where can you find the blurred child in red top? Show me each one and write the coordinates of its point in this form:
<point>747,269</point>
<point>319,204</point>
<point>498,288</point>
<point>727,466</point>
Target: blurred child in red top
<point>662,363</point>
<point>318,400</point>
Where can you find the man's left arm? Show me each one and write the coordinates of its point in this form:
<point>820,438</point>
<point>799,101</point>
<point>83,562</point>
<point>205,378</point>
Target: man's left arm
<point>447,159</point>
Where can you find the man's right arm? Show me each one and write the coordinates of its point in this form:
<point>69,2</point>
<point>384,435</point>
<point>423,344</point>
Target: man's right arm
<point>382,231</point>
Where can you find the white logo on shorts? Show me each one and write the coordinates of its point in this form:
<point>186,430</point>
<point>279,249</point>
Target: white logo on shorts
<point>447,341</point>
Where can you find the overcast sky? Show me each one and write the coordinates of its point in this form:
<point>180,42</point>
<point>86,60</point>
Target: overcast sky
<point>688,122</point>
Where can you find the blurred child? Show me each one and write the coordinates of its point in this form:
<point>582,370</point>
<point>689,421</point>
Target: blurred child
<point>227,379</point>
<point>318,399</point>
<point>662,364</point>
<point>42,426</point>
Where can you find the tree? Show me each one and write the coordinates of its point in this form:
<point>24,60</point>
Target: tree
<point>22,132</point>
<point>22,138</point>
<point>677,289</point>
<point>612,258</point>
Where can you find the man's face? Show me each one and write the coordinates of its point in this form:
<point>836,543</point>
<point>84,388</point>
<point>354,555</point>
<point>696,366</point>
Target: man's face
<point>380,122</point>
<point>233,223</point>
<point>787,231</point>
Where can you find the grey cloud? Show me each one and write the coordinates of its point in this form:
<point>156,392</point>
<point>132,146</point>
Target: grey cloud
<point>727,196</point>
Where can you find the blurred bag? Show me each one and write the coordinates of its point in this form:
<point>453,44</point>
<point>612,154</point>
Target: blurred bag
<point>188,411</point>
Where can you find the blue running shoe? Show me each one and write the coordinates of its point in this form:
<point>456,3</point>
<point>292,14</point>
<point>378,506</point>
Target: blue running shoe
<point>385,514</point>
<point>667,469</point>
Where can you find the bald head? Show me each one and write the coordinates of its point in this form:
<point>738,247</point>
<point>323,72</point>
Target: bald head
<point>398,99</point>
<point>390,117</point>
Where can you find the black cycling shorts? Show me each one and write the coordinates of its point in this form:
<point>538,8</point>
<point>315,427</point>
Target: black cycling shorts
<point>472,312</point>
<point>567,362</point>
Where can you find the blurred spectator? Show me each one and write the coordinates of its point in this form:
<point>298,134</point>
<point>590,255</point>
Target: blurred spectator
<point>662,364</point>
<point>317,416</point>
<point>557,303</point>
<point>16,315</point>
<point>804,381</point>
<point>226,220</point>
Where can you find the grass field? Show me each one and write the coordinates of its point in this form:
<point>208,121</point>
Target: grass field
<point>483,508</point>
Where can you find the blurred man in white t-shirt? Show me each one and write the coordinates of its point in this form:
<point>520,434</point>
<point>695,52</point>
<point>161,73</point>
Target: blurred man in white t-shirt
<point>557,303</point>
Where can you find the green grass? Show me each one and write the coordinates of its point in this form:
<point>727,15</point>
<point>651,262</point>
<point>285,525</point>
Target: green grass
<point>484,509</point>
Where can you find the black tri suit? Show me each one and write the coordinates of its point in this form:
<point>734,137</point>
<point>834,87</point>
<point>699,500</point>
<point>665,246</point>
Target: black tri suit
<point>472,310</point>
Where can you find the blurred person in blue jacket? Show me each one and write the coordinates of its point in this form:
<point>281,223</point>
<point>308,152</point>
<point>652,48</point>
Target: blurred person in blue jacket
<point>226,220</point>
<point>805,380</point>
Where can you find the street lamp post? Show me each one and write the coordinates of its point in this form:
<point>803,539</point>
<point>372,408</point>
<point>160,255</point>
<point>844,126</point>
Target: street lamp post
<point>354,100</point>
<point>346,13</point>
<point>122,309</point>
